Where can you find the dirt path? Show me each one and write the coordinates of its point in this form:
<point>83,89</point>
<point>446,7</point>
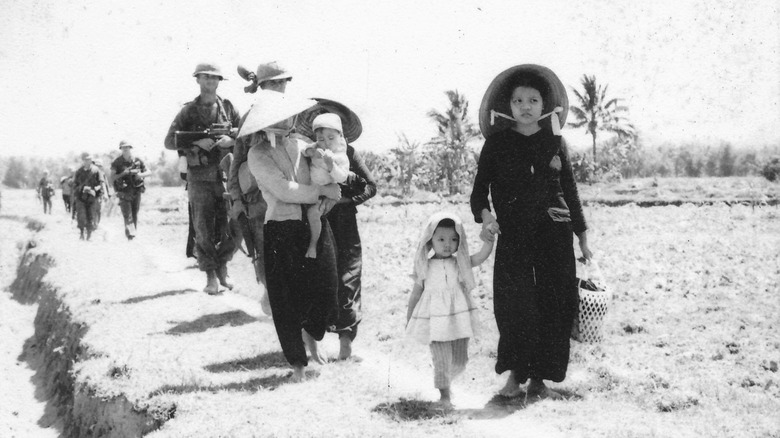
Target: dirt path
<point>21,413</point>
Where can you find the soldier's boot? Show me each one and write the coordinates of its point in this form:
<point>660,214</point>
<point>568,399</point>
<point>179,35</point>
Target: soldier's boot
<point>224,279</point>
<point>212,288</point>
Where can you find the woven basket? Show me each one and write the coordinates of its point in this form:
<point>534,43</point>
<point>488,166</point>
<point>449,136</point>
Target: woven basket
<point>589,321</point>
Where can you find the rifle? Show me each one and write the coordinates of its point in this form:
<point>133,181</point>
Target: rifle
<point>184,139</point>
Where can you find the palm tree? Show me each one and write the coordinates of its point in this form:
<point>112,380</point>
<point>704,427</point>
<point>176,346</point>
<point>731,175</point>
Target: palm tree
<point>455,131</point>
<point>597,113</point>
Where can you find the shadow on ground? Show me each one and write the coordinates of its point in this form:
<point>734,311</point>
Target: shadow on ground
<point>496,408</point>
<point>167,293</point>
<point>205,322</point>
<point>266,360</point>
<point>268,383</point>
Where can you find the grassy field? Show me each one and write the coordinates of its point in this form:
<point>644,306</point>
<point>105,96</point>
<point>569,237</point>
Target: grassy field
<point>690,348</point>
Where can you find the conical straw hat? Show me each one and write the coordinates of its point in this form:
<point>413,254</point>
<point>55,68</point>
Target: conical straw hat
<point>500,91</point>
<point>272,107</point>
<point>350,122</point>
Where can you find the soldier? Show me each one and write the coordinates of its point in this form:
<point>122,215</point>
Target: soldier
<point>87,189</point>
<point>66,186</point>
<point>249,205</point>
<point>128,174</point>
<point>46,191</point>
<point>213,245</point>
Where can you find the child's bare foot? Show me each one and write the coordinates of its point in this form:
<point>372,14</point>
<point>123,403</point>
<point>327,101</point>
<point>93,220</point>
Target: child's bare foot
<point>311,344</point>
<point>511,388</point>
<point>311,253</point>
<point>345,351</point>
<point>298,374</point>
<point>446,397</point>
<point>538,390</point>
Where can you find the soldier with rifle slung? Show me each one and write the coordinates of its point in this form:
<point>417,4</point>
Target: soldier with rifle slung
<point>204,131</point>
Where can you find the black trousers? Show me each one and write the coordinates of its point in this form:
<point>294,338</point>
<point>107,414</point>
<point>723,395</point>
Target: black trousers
<point>349,262</point>
<point>129,204</point>
<point>302,292</point>
<point>535,299</point>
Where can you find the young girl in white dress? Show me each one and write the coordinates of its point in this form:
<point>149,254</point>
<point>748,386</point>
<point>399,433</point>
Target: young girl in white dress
<point>441,312</point>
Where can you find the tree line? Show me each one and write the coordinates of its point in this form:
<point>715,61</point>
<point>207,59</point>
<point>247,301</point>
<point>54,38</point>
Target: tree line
<point>447,162</point>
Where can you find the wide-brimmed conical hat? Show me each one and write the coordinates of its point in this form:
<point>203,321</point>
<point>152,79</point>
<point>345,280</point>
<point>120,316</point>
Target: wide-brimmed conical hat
<point>350,121</point>
<point>272,107</point>
<point>500,91</point>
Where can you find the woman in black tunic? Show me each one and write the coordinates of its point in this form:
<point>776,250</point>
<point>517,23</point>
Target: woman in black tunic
<point>524,167</point>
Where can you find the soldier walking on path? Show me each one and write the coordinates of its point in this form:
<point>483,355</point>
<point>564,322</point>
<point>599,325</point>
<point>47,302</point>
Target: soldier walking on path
<point>87,188</point>
<point>128,173</point>
<point>214,246</point>
<point>66,185</point>
<point>46,191</point>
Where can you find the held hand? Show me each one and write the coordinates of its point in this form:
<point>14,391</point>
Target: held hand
<point>490,228</point>
<point>204,143</point>
<point>486,235</point>
<point>225,141</point>
<point>332,191</point>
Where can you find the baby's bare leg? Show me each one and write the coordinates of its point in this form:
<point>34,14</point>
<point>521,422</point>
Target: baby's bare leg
<point>313,213</point>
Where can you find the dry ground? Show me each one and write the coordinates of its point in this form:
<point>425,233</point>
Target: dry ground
<point>690,349</point>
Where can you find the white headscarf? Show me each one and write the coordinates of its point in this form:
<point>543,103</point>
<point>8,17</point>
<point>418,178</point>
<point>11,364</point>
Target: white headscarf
<point>425,251</point>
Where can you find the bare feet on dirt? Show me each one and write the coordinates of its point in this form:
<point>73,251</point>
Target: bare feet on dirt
<point>445,400</point>
<point>512,388</point>
<point>212,288</point>
<point>298,374</point>
<point>537,390</point>
<point>311,344</point>
<point>224,278</point>
<point>345,350</point>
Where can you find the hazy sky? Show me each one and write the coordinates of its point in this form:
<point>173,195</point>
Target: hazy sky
<point>82,75</point>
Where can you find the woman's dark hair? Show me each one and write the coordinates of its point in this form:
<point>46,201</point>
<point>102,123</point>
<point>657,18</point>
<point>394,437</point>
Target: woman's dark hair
<point>532,81</point>
<point>538,84</point>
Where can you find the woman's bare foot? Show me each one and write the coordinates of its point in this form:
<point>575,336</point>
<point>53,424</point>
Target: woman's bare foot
<point>298,374</point>
<point>537,389</point>
<point>511,388</point>
<point>345,351</point>
<point>311,344</point>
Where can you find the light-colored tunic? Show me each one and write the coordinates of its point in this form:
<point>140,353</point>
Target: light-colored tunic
<point>444,312</point>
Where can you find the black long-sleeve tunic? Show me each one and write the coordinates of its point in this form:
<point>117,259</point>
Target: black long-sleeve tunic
<point>527,177</point>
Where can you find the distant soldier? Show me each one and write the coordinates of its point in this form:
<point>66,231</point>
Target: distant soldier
<point>128,173</point>
<point>105,192</point>
<point>46,191</point>
<point>214,246</point>
<point>66,186</point>
<point>87,189</point>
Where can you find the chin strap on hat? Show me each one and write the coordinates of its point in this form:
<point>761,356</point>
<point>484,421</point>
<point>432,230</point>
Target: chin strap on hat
<point>494,113</point>
<point>273,133</point>
<point>554,121</point>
